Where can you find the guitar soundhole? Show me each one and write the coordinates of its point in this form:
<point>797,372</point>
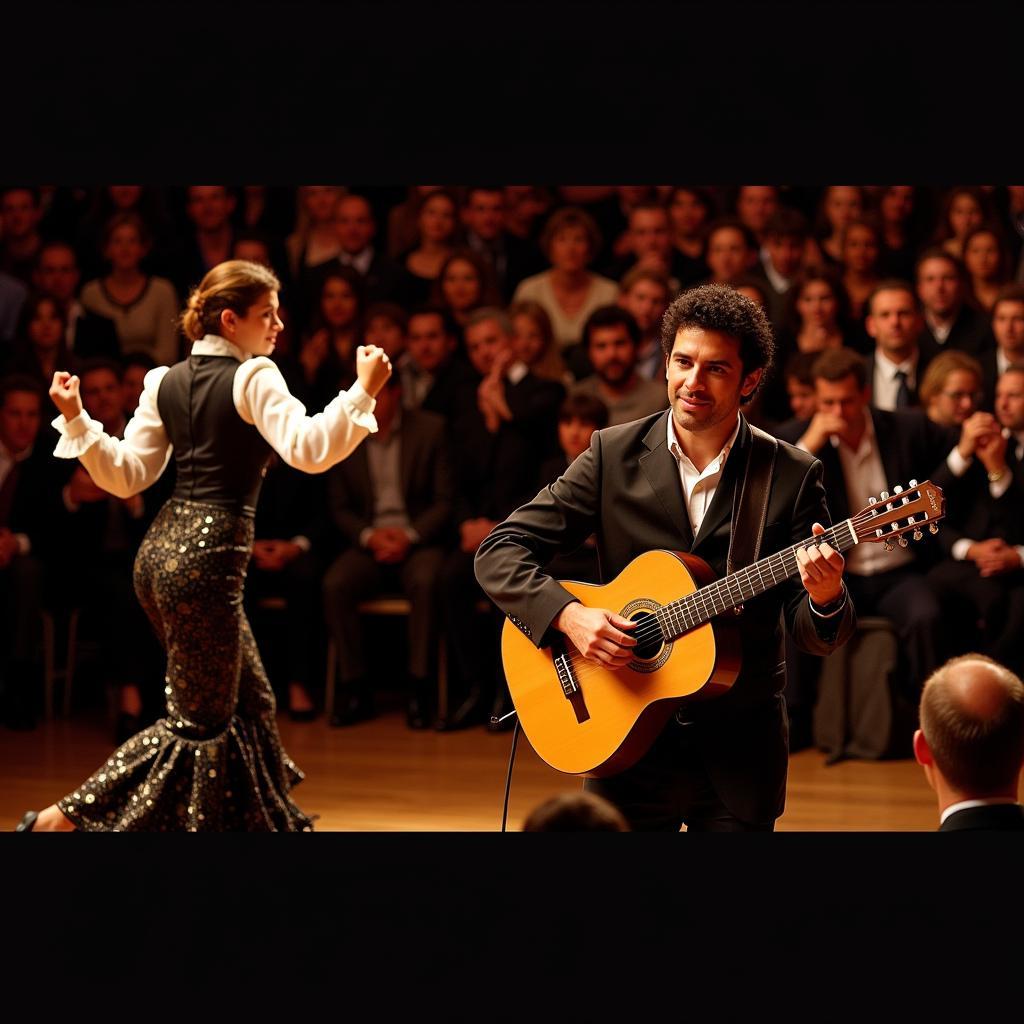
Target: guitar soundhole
<point>648,648</point>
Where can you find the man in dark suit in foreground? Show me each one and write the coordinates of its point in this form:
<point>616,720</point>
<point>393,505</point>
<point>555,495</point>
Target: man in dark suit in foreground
<point>668,481</point>
<point>971,744</point>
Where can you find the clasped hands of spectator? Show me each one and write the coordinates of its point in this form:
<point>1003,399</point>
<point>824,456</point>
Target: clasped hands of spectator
<point>389,544</point>
<point>274,555</point>
<point>982,435</point>
<point>490,394</point>
<point>993,556</point>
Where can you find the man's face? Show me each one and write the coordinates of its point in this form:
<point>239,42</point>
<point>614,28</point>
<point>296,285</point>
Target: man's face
<point>20,416</point>
<point>647,302</point>
<point>19,214</point>
<point>574,437</point>
<point>727,255</point>
<point>939,287</point>
<point>209,206</point>
<point>1010,400</point>
<point>57,274</point>
<point>803,401</point>
<point>428,344</point>
<point>894,322</point>
<point>612,353</point>
<point>102,397</point>
<point>706,379</point>
<point>687,213</point>
<point>755,206</point>
<point>649,233</point>
<point>385,333</point>
<point>1008,326</point>
<point>486,344</point>
<point>842,398</point>
<point>786,253</point>
<point>353,222</point>
<point>484,214</point>
<point>957,400</point>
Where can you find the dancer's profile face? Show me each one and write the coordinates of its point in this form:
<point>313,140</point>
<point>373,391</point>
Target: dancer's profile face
<point>257,331</point>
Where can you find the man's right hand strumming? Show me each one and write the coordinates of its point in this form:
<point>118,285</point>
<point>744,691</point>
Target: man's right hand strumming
<point>373,367</point>
<point>597,634</point>
<point>64,392</point>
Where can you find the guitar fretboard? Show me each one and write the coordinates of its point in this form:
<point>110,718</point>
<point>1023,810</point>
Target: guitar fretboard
<point>679,617</point>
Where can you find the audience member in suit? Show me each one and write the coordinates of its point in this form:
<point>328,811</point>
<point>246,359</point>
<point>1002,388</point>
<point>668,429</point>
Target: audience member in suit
<point>392,503</point>
<point>579,416</point>
<point>87,334</point>
<point>1010,413</point>
<point>645,295</point>
<point>612,339</point>
<point>949,322</point>
<point>356,230</point>
<point>511,259</point>
<point>20,213</point>
<point>40,349</point>
<point>102,536</point>
<point>971,744</point>
<point>689,210</point>
<point>1008,330</point>
<point>781,257</point>
<point>982,578</point>
<point>648,243</point>
<point>435,376</point>
<point>30,482</point>
<point>897,362</point>
<point>499,440</point>
<point>288,556</point>
<point>865,450</point>
<point>210,237</point>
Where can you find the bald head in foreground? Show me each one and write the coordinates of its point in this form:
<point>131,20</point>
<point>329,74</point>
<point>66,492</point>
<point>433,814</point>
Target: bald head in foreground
<point>971,743</point>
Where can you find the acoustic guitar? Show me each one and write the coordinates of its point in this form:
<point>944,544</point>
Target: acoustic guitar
<point>583,718</point>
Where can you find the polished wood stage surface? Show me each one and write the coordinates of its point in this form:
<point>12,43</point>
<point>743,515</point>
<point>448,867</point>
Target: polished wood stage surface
<point>381,776</point>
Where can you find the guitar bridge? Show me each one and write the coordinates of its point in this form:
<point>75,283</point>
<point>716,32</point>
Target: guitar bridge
<point>566,676</point>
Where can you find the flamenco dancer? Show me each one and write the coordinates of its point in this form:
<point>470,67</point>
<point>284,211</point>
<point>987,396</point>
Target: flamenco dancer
<point>215,762</point>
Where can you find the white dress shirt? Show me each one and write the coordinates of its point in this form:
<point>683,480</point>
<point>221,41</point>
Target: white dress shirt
<point>359,261</point>
<point>885,385</point>
<point>964,804</point>
<point>309,443</point>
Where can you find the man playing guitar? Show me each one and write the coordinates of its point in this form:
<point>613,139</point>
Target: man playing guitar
<point>669,481</point>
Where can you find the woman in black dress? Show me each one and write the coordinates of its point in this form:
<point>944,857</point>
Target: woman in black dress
<point>215,762</point>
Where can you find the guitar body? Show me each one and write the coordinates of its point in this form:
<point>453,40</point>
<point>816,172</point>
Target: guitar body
<point>613,717</point>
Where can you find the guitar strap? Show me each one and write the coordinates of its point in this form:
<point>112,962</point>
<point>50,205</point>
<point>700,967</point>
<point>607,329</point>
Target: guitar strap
<point>750,502</point>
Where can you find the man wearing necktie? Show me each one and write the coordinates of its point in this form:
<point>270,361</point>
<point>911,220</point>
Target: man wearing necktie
<point>895,366</point>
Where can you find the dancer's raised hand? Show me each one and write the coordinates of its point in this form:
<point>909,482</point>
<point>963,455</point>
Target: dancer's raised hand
<point>64,392</point>
<point>373,367</point>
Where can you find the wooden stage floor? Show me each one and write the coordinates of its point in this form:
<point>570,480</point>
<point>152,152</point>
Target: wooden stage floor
<point>381,776</point>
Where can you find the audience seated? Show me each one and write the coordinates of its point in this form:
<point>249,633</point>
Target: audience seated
<point>645,295</point>
<point>896,364</point>
<point>971,744</point>
<point>1008,332</point>
<point>20,239</point>
<point>511,259</point>
<point>949,322</point>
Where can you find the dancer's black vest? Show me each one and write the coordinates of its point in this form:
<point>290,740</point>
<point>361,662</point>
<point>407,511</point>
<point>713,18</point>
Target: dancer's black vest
<point>220,458</point>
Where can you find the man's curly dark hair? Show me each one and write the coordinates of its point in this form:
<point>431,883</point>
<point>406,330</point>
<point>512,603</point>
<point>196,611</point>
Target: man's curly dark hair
<point>717,307</point>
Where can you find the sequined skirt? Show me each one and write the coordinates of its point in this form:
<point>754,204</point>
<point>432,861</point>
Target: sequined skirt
<point>215,762</point>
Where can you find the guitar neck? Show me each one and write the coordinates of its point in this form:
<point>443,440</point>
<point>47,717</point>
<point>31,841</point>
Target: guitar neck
<point>679,617</point>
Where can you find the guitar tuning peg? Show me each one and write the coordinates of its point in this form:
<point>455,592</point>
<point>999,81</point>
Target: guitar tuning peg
<point>903,542</point>
<point>898,489</point>
<point>885,494</point>
<point>918,535</point>
<point>933,528</point>
<point>913,483</point>
<point>888,545</point>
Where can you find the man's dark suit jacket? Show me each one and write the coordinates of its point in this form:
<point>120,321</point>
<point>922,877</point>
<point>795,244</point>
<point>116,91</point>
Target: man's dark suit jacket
<point>36,509</point>
<point>626,489</point>
<point>989,378</point>
<point>426,482</point>
<point>911,447</point>
<point>970,333</point>
<point>988,818</point>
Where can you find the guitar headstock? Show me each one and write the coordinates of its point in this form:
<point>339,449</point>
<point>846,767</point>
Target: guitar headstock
<point>887,519</point>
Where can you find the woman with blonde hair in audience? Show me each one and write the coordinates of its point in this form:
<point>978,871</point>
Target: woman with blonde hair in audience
<point>534,342</point>
<point>215,762</point>
<point>569,291</point>
<point>951,389</point>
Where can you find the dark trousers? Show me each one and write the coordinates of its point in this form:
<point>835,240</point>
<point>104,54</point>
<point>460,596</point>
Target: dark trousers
<point>998,601</point>
<point>355,576</point>
<point>473,640</point>
<point>670,786</point>
<point>904,597</point>
<point>298,583</point>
